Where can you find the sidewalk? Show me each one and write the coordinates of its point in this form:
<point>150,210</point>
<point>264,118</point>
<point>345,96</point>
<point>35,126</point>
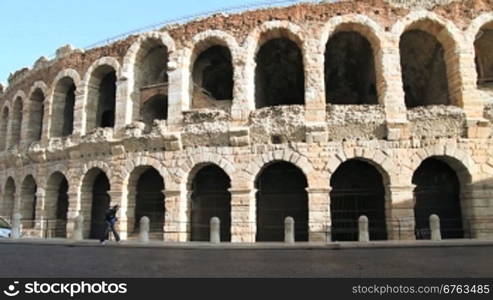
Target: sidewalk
<point>253,246</point>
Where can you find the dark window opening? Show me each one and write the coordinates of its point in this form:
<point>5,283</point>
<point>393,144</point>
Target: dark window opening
<point>68,112</point>
<point>155,108</point>
<point>100,204</point>
<point>279,75</point>
<point>424,73</point>
<point>213,73</point>
<point>350,70</point>
<point>281,193</point>
<point>210,198</point>
<point>35,128</point>
<point>62,209</point>
<point>437,192</point>
<point>357,189</point>
<point>150,202</point>
<point>107,101</point>
<point>484,57</point>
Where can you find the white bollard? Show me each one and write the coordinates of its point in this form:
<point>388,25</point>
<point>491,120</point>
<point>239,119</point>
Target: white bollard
<point>364,235</point>
<point>289,230</point>
<point>78,228</point>
<point>16,226</point>
<point>436,235</point>
<point>144,230</point>
<point>215,235</point>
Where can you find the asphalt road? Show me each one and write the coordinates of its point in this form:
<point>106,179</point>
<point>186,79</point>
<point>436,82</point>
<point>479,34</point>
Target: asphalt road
<point>103,261</point>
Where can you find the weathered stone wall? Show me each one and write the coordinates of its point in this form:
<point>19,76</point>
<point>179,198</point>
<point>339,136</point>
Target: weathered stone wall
<point>315,137</point>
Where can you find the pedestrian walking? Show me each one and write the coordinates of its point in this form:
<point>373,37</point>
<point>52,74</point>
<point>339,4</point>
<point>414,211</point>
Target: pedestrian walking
<point>110,221</point>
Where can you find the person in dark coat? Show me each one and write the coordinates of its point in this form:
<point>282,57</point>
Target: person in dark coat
<point>110,221</point>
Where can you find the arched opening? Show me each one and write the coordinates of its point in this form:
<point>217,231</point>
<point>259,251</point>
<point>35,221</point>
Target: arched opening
<point>155,108</point>
<point>212,77</point>
<point>149,201</point>
<point>350,70</point>
<point>437,192</point>
<point>28,202</point>
<point>357,189</point>
<point>100,108</point>
<point>62,123</point>
<point>95,201</point>
<point>16,124</point>
<point>210,197</point>
<point>56,206</point>
<point>36,113</point>
<point>484,56</point>
<point>151,82</point>
<point>7,207</point>
<point>279,74</point>
<point>424,72</point>
<point>3,128</point>
<point>281,192</point>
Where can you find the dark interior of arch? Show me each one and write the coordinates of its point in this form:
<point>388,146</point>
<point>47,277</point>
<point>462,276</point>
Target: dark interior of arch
<point>28,202</point>
<point>279,74</point>
<point>213,72</point>
<point>68,110</point>
<point>154,69</point>
<point>37,113</point>
<point>62,209</point>
<point>357,189</point>
<point>107,101</point>
<point>150,202</point>
<point>484,57</point>
<point>156,108</point>
<point>100,204</point>
<point>350,70</point>
<point>437,192</point>
<point>3,128</point>
<point>17,121</point>
<point>424,72</point>
<point>281,193</point>
<point>210,198</point>
<point>7,204</point>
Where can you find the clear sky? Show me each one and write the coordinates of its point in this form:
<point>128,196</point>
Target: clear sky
<point>34,28</point>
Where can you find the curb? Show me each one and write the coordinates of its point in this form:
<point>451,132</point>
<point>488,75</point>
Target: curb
<point>254,246</point>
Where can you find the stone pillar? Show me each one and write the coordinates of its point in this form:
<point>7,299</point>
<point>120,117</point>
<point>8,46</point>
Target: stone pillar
<point>243,215</point>
<point>289,229</point>
<point>391,93</point>
<point>477,211</point>
<point>123,111</point>
<point>41,225</point>
<point>179,87</point>
<point>74,209</point>
<point>176,221</point>
<point>436,234</point>
<point>399,212</point>
<point>215,230</point>
<point>319,220</point>
<point>363,229</point>
<point>16,226</point>
<point>144,230</point>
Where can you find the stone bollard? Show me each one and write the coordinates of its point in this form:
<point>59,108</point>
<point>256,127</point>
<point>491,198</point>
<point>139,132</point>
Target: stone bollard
<point>436,235</point>
<point>16,226</point>
<point>215,235</point>
<point>289,230</point>
<point>78,228</point>
<point>364,235</point>
<point>144,230</point>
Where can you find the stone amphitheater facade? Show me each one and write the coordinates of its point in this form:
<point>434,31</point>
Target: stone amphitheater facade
<point>87,113</point>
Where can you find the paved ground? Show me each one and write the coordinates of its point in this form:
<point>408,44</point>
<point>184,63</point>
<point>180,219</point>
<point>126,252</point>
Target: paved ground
<point>28,260</point>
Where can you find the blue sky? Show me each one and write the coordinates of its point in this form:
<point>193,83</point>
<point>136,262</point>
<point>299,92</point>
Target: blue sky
<point>34,28</point>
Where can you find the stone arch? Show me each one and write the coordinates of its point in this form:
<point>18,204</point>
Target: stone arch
<point>64,90</point>
<point>4,124</point>
<point>207,191</point>
<point>56,204</point>
<point>258,37</point>
<point>95,187</point>
<point>447,35</point>
<point>135,59</point>
<point>35,111</point>
<point>16,128</point>
<point>8,198</point>
<point>186,170</point>
<point>480,35</point>
<point>28,201</point>
<point>216,44</point>
<point>99,90</point>
<point>368,29</point>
